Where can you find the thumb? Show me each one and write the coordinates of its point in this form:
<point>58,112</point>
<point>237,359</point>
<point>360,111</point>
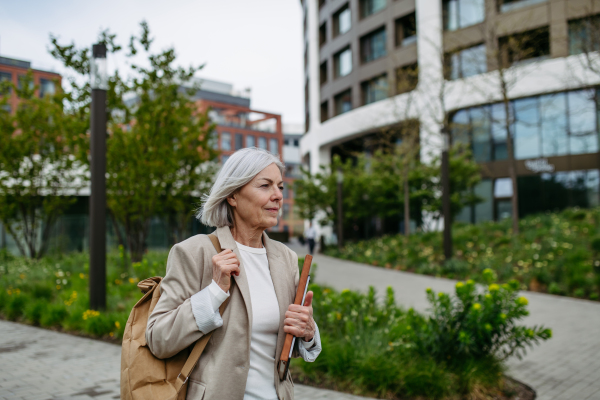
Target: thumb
<point>308,299</point>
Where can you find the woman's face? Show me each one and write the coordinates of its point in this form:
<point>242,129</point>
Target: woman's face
<point>257,203</point>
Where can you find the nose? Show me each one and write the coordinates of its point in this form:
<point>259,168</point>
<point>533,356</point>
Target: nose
<point>278,195</point>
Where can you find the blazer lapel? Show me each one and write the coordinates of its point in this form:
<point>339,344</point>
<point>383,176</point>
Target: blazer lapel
<point>227,242</point>
<point>281,277</point>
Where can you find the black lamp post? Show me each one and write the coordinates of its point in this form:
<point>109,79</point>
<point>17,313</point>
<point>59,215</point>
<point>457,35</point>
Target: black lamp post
<point>99,83</point>
<point>446,194</point>
<point>340,227</point>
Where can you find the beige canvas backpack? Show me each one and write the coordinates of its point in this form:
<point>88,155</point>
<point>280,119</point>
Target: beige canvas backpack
<point>143,376</point>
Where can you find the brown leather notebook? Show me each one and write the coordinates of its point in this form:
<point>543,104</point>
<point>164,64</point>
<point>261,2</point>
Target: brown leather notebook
<point>283,364</point>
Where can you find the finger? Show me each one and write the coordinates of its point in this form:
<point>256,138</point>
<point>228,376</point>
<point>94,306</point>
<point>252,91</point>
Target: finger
<point>299,309</point>
<point>308,299</point>
<point>226,251</point>
<point>294,331</point>
<point>294,323</point>
<point>298,316</point>
<point>226,256</point>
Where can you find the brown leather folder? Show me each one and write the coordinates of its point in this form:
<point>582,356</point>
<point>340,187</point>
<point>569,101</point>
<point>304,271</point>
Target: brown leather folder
<point>284,363</point>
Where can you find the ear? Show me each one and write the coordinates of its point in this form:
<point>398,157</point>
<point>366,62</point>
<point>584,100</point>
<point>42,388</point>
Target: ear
<point>231,200</point>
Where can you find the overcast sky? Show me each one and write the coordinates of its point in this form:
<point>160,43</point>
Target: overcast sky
<point>249,43</point>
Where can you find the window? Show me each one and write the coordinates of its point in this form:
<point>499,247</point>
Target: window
<point>584,35</point>
<point>582,114</point>
<point>274,146</point>
<point>213,140</point>
<point>374,89</point>
<point>239,141</point>
<point>262,143</point>
<point>542,126</point>
<point>46,87</point>
<point>7,108</point>
<point>343,102</point>
<point>224,159</point>
<point>322,3</point>
<point>509,5</point>
<point>525,47</point>
<point>342,21</point>
<point>323,73</point>
<point>407,78</point>
<point>553,112</point>
<point>5,77</point>
<point>342,62</point>
<point>225,141</point>
<point>406,30</point>
<point>466,62</point>
<point>370,7</point>
<point>21,81</point>
<point>462,13</point>
<point>250,141</point>
<point>324,111</point>
<point>323,34</point>
<point>372,46</point>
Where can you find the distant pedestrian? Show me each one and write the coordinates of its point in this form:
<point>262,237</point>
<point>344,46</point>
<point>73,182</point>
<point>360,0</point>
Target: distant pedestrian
<point>311,235</point>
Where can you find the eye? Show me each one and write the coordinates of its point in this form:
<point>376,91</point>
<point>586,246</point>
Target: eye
<point>281,188</point>
<point>265,185</point>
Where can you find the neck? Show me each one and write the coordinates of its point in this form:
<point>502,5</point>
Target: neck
<point>248,236</point>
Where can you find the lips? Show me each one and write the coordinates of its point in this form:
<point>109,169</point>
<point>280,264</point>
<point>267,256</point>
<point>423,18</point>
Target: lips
<point>273,210</point>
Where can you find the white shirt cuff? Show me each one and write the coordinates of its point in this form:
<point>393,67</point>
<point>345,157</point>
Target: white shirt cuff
<point>309,344</point>
<point>205,307</point>
<point>218,296</point>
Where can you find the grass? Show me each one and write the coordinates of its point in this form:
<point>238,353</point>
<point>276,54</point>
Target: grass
<point>557,253</point>
<point>369,347</point>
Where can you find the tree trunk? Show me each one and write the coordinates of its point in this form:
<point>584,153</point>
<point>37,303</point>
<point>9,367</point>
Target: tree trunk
<point>406,204</point>
<point>512,170</point>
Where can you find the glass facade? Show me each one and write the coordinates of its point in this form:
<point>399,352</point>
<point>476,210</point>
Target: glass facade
<point>343,102</point>
<point>509,5</point>
<point>239,141</point>
<point>462,13</point>
<point>47,87</point>
<point>375,89</point>
<point>262,143</point>
<point>466,62</point>
<point>274,146</point>
<point>407,78</point>
<point>342,21</point>
<point>369,7</point>
<point>343,62</point>
<point>584,35</point>
<point>372,46</point>
<point>250,141</point>
<point>5,77</point>
<point>406,30</point>
<point>542,126</point>
<point>225,141</point>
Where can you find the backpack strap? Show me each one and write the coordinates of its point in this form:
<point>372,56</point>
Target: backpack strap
<point>203,341</point>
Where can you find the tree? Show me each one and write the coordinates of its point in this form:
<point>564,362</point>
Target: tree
<point>584,40</point>
<point>158,146</point>
<point>38,172</point>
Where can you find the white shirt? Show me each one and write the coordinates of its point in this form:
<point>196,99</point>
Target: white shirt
<point>265,322</point>
<point>310,233</point>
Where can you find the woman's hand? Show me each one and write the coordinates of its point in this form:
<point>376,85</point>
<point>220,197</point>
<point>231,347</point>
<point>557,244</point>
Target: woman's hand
<point>299,319</point>
<point>225,264</point>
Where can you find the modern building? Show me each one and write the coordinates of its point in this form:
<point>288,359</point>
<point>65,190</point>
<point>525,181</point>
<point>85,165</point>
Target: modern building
<point>14,71</point>
<point>290,221</point>
<point>372,65</point>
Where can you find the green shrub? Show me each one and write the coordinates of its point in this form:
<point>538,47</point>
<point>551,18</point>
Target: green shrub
<point>34,311</point>
<point>15,304</point>
<point>97,323</point>
<point>54,315</point>
<point>595,244</point>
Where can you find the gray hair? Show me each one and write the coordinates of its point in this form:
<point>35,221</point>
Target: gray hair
<point>241,167</point>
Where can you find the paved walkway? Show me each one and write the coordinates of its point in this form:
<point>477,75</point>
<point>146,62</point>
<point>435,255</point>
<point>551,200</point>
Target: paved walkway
<point>565,367</point>
<point>37,364</point>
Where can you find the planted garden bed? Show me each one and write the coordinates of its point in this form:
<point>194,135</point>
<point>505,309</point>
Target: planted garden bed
<point>369,347</point>
<point>557,253</point>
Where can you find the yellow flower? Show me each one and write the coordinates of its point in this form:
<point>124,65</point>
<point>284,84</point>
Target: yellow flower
<point>476,306</point>
<point>117,325</point>
<point>493,287</point>
<point>346,291</point>
<point>459,284</point>
<point>118,281</point>
<point>470,282</point>
<point>111,334</point>
<point>338,315</point>
<point>22,276</point>
<point>428,290</point>
<point>522,301</point>
<point>90,314</point>
<point>57,287</point>
<point>81,275</point>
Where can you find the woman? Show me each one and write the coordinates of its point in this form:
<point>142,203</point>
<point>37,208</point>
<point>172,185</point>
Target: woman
<point>240,360</point>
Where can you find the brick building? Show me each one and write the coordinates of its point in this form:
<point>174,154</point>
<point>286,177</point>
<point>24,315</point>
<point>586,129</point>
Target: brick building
<point>14,71</point>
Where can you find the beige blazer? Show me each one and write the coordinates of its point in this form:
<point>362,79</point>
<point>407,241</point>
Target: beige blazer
<point>222,370</point>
